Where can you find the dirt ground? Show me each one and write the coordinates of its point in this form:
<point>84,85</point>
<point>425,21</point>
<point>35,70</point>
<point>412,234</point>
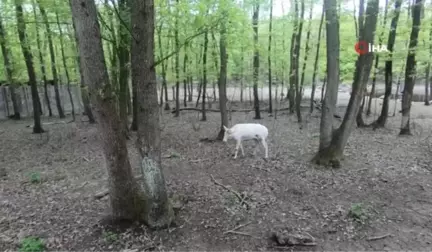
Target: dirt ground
<point>381,199</point>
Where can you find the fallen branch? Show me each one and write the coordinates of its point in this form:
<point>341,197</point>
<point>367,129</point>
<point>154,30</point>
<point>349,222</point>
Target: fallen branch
<point>230,190</point>
<point>242,233</point>
<point>378,237</point>
<point>238,227</point>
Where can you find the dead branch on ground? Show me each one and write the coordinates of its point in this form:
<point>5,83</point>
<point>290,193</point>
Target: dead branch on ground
<point>242,200</point>
<point>238,227</point>
<point>378,237</point>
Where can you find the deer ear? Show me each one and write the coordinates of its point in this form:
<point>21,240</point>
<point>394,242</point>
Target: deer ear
<point>225,128</point>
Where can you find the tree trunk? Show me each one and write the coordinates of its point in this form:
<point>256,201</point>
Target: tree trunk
<point>177,59</point>
<point>223,79</point>
<point>296,58</point>
<point>185,74</point>
<point>7,60</point>
<point>316,63</point>
<point>241,75</point>
<point>28,57</point>
<point>126,199</point>
<point>204,83</point>
<point>270,78</point>
<point>410,70</point>
<point>42,62</point>
<point>256,62</point>
<point>65,66</point>
<point>426,99</point>
<point>292,69</point>
<point>159,212</point>
<point>299,99</point>
<point>123,62</point>
<point>53,60</point>
<point>338,139</point>
<point>382,119</point>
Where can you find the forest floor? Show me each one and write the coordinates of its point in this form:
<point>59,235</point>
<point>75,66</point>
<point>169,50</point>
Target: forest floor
<point>381,198</point>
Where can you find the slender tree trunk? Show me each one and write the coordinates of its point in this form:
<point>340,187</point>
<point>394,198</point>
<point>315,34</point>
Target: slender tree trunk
<point>28,57</point>
<point>316,63</point>
<point>53,60</point>
<point>223,79</point>
<point>426,99</point>
<point>42,62</point>
<point>204,83</point>
<point>241,75</point>
<point>410,70</point>
<point>382,119</point>
<point>185,74</point>
<point>256,62</point>
<point>65,66</point>
<point>296,58</point>
<point>7,60</point>
<point>270,78</point>
<point>177,61</point>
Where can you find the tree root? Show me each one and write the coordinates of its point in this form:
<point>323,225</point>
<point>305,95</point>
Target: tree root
<point>327,157</point>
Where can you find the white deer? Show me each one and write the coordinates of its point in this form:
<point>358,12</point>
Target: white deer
<point>247,131</point>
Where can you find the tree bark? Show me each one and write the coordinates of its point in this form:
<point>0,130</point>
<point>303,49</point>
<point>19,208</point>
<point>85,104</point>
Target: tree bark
<point>65,66</point>
<point>299,99</point>
<point>53,60</point>
<point>126,199</point>
<point>7,60</point>
<point>204,82</point>
<point>316,63</point>
<point>426,99</point>
<point>177,59</point>
<point>333,152</point>
<point>223,79</point>
<point>410,69</point>
<point>159,212</point>
<point>270,78</point>
<point>28,57</point>
<point>185,74</point>
<point>296,58</point>
<point>256,64</point>
<point>42,62</point>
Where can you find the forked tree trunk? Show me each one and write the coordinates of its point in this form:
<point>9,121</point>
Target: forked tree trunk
<point>382,119</point>
<point>28,57</point>
<point>159,212</point>
<point>256,62</point>
<point>331,154</point>
<point>42,61</point>
<point>204,83</point>
<point>316,63</point>
<point>126,199</point>
<point>410,70</point>
<point>65,66</point>
<point>223,80</point>
<point>53,60</point>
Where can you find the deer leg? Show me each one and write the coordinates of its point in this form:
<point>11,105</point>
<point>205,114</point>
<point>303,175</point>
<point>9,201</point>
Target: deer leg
<point>241,147</point>
<point>236,149</point>
<point>264,143</point>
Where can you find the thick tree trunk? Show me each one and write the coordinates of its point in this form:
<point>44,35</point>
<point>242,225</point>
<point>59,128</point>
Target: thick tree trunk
<point>28,57</point>
<point>316,63</point>
<point>410,70</point>
<point>339,138</point>
<point>159,212</point>
<point>223,80</point>
<point>53,60</point>
<point>256,64</point>
<point>126,199</point>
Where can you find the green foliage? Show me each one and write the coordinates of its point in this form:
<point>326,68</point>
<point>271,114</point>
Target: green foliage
<point>358,213</point>
<point>35,178</point>
<point>110,237</point>
<point>32,244</point>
